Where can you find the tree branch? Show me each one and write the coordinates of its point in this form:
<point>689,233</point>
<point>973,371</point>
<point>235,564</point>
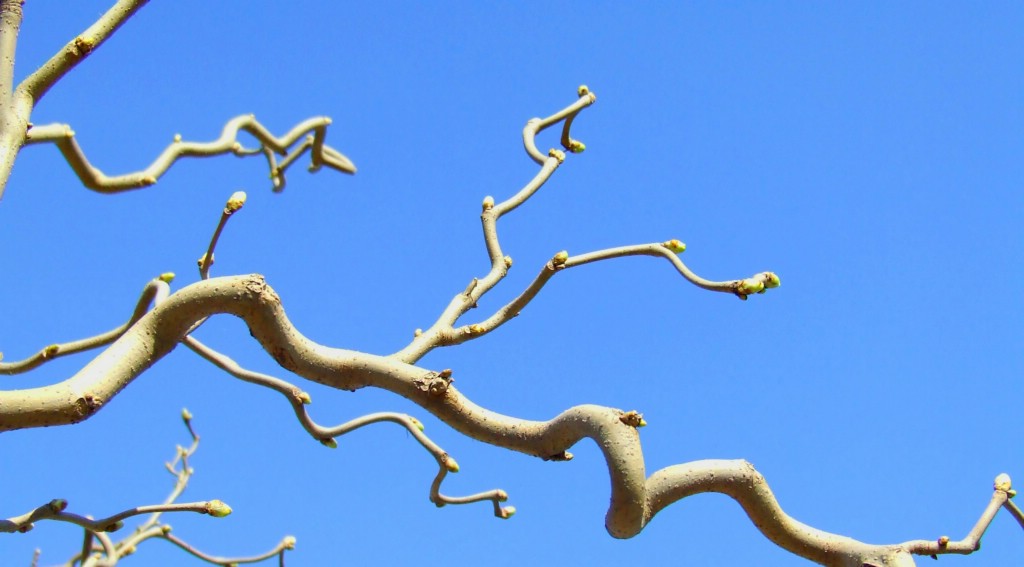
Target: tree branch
<point>634,498</point>
<point>39,82</point>
<point>312,129</point>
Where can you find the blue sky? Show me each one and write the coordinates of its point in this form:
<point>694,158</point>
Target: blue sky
<point>868,153</point>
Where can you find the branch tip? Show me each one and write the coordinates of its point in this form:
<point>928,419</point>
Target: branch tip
<point>1003,483</point>
<point>217,508</point>
<point>329,442</point>
<point>451,464</point>
<point>675,245</point>
<point>235,202</point>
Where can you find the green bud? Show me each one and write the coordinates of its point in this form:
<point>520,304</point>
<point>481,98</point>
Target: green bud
<point>217,508</point>
<point>675,246</point>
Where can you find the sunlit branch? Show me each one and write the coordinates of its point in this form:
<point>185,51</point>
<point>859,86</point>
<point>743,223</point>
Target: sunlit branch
<point>442,328</point>
<point>299,400</point>
<point>561,261</point>
<point>634,498</point>
<point>54,351</point>
<point>288,543</point>
<point>93,178</point>
<point>10,24</point>
<point>54,510</point>
<point>76,50</point>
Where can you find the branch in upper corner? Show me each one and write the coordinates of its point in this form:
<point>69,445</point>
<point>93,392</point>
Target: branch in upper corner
<point>312,132</point>
<point>39,82</point>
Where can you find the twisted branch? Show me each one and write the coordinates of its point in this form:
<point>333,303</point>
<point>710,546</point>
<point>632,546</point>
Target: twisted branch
<point>312,131</point>
<point>634,501</point>
<point>443,332</point>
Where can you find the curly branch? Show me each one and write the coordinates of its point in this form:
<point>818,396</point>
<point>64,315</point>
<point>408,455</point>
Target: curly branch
<point>312,130</point>
<point>443,332</point>
<point>299,400</point>
<point>634,498</point>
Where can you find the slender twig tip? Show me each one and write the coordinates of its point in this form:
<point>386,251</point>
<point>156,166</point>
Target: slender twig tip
<point>675,245</point>
<point>235,202</point>
<point>217,508</point>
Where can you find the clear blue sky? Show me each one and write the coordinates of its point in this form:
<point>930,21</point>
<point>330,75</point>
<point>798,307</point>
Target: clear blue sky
<point>869,153</point>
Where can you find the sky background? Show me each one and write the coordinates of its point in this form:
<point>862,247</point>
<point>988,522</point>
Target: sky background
<point>868,153</point>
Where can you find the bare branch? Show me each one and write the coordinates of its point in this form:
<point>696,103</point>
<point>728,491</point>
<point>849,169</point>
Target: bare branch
<point>443,332</point>
<point>441,335</point>
<point>286,544</point>
<point>64,137</point>
<point>299,400</point>
<point>54,510</point>
<point>634,498</point>
<point>38,83</point>
<point>149,294</point>
<point>11,14</point>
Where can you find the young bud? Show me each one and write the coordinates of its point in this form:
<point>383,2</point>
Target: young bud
<point>185,414</point>
<point>217,508</point>
<point>675,246</point>
<point>450,464</point>
<point>330,443</point>
<point>305,398</point>
<point>488,203</point>
<point>560,258</point>
<point>288,542</point>
<point>557,154</point>
<point>235,202</point>
<point>1003,482</point>
<point>166,277</point>
<point>508,261</point>
<point>582,90</point>
<point>749,286</point>
<point>576,146</point>
<point>507,512</point>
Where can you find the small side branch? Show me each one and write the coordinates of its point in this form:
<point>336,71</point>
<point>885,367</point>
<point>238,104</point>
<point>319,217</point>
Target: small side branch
<point>312,130</point>
<point>442,335</point>
<point>299,400</point>
<point>38,83</point>
<point>151,293</point>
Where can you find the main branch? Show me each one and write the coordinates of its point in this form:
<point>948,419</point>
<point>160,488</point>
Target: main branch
<point>634,501</point>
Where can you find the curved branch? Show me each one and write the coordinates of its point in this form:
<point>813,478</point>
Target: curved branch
<point>634,498</point>
<point>447,336</point>
<point>313,129</point>
<point>54,351</point>
<point>299,399</point>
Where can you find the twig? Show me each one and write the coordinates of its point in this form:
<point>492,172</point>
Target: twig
<point>64,137</point>
<point>150,293</point>
<point>38,83</point>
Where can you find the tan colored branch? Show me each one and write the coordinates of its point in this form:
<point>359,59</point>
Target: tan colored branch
<point>150,293</point>
<point>313,129</point>
<point>634,498</point>
<point>38,83</point>
<point>300,400</point>
<point>443,331</point>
